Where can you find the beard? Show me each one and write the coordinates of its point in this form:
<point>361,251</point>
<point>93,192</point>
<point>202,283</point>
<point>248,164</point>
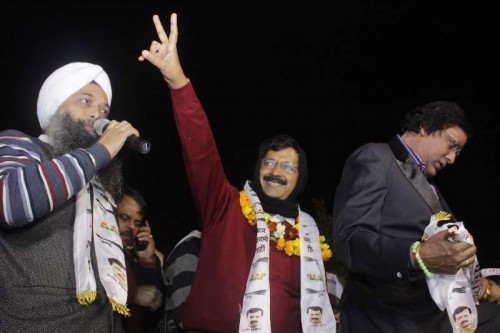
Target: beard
<point>67,135</point>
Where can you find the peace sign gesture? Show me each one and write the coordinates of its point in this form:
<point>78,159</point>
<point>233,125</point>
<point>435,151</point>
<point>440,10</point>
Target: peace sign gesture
<point>163,54</point>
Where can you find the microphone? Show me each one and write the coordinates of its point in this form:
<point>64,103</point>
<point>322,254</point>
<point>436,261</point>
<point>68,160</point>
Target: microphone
<point>133,141</point>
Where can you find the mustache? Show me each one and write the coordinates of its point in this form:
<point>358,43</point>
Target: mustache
<point>127,233</point>
<point>275,179</point>
<point>88,122</point>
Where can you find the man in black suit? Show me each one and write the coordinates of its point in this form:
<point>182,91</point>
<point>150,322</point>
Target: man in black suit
<point>382,205</point>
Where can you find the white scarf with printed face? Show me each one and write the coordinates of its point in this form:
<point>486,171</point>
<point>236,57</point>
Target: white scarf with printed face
<point>95,223</point>
<point>453,292</point>
<point>314,296</point>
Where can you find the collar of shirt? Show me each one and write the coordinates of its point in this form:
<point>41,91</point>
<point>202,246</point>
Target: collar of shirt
<point>416,158</point>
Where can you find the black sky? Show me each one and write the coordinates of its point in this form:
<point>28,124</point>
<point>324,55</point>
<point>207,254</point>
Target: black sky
<point>334,76</point>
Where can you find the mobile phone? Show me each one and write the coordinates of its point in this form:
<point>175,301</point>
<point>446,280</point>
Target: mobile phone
<point>140,245</point>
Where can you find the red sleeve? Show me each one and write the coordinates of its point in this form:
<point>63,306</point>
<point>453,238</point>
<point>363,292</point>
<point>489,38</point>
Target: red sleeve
<point>209,185</point>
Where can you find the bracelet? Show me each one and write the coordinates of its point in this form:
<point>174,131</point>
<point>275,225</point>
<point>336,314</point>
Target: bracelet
<point>415,250</point>
<point>415,247</point>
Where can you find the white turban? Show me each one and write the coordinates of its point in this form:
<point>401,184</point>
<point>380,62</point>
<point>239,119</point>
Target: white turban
<point>63,83</point>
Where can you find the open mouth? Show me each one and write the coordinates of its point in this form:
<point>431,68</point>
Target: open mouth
<point>127,237</point>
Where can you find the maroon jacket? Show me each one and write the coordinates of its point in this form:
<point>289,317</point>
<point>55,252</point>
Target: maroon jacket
<point>228,242</point>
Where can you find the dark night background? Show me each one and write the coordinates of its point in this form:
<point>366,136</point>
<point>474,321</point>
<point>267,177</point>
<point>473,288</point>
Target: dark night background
<point>334,76</point>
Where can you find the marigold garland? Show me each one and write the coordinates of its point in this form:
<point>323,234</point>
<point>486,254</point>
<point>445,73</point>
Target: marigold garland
<point>284,235</point>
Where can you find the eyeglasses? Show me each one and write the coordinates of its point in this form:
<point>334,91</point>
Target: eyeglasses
<point>454,145</point>
<point>287,167</point>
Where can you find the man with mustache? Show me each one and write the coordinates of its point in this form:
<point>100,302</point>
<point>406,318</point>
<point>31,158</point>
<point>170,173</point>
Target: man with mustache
<point>58,230</point>
<point>253,317</point>
<point>258,249</point>
<point>382,205</point>
<point>143,263</point>
<point>462,315</point>
<point>314,313</point>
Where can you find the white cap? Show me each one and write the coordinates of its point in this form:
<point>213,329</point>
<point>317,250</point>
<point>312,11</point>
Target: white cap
<point>63,83</point>
<point>489,272</point>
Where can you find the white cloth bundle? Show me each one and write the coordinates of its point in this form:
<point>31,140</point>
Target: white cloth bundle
<point>453,292</point>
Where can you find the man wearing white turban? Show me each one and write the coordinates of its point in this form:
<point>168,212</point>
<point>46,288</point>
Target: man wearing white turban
<point>63,83</point>
<point>58,230</point>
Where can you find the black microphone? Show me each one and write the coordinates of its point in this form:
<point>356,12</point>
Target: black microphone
<point>133,141</point>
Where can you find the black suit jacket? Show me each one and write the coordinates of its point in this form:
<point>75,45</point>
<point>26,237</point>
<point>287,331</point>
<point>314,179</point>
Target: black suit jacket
<point>382,205</point>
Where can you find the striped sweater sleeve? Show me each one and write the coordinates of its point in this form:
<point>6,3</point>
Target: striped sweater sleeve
<point>30,188</point>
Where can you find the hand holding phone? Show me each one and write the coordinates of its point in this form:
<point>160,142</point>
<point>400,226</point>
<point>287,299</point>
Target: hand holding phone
<point>138,244</point>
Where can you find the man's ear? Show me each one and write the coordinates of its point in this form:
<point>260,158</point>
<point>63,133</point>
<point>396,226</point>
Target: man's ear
<point>423,132</point>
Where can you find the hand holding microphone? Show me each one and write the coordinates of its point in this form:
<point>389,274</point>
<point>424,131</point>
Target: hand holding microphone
<point>133,141</point>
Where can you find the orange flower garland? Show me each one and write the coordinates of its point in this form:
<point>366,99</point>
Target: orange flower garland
<point>284,235</point>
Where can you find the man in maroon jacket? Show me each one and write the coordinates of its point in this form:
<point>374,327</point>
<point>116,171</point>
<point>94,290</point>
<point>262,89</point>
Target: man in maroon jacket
<point>259,250</point>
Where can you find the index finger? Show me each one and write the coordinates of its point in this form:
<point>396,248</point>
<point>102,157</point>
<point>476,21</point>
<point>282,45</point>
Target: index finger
<point>162,35</point>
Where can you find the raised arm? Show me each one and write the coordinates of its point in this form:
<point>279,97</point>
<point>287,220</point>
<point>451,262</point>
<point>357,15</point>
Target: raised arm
<point>204,170</point>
